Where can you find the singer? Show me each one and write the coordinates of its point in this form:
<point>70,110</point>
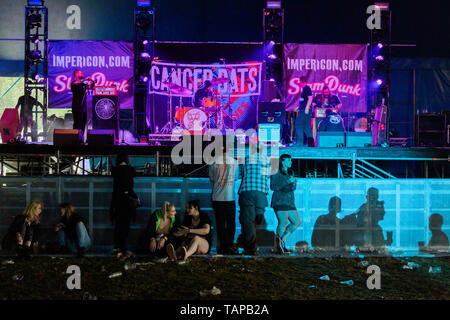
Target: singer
<point>79,105</point>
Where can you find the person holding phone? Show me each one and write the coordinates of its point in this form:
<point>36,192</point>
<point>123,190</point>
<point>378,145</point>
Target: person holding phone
<point>283,184</point>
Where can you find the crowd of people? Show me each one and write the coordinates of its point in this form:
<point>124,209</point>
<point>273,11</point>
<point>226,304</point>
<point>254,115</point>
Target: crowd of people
<point>166,237</point>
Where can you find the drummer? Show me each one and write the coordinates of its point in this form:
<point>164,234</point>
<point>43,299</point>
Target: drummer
<point>326,100</point>
<point>204,91</point>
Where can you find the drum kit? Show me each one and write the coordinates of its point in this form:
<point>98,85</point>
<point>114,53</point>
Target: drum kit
<point>210,115</point>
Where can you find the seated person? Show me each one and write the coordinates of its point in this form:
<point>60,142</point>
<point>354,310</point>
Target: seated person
<point>159,230</point>
<point>439,241</point>
<point>332,122</point>
<point>71,231</point>
<point>326,227</point>
<point>194,235</point>
<point>24,232</point>
<point>326,100</point>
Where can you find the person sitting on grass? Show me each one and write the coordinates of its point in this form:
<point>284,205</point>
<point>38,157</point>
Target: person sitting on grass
<point>23,234</point>
<point>71,231</point>
<point>194,234</point>
<point>438,243</point>
<point>160,227</point>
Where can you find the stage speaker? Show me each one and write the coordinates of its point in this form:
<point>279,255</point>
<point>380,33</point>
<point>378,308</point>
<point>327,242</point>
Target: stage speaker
<point>271,112</point>
<point>331,139</point>
<point>431,130</point>
<point>101,137</point>
<point>269,132</point>
<point>67,137</point>
<point>104,112</point>
<point>9,125</point>
<point>358,139</point>
<point>126,119</point>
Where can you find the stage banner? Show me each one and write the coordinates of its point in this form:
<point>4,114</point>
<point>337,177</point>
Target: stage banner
<point>340,67</point>
<point>237,94</point>
<point>110,63</point>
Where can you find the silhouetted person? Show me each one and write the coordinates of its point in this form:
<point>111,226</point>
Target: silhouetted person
<point>326,229</point>
<point>439,241</point>
<point>122,210</point>
<point>369,234</point>
<point>26,104</point>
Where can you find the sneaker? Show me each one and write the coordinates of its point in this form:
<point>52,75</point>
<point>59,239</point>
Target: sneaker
<point>171,252</point>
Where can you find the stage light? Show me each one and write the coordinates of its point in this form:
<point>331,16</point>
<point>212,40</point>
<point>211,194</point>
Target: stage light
<point>35,56</point>
<point>36,77</point>
<point>272,56</point>
<point>379,82</point>
<point>272,43</point>
<point>35,20</point>
<point>379,58</point>
<point>143,19</point>
<point>35,3</point>
<point>143,78</point>
<point>145,42</point>
<point>145,57</point>
<point>273,4</point>
<point>380,45</point>
<point>143,3</point>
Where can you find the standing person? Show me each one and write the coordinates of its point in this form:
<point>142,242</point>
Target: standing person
<point>283,184</point>
<point>79,100</point>
<point>160,227</point>
<point>71,231</point>
<point>253,195</point>
<point>26,104</point>
<point>303,122</point>
<point>195,233</point>
<point>23,234</point>
<point>222,174</point>
<point>122,210</point>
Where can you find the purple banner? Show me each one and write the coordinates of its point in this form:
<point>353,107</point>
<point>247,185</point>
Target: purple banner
<point>340,67</point>
<point>110,63</point>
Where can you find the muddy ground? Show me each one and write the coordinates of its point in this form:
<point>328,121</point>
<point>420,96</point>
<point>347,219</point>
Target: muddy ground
<point>268,278</point>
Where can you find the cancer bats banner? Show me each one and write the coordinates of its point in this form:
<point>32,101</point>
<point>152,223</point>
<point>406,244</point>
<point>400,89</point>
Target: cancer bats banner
<point>340,67</point>
<point>110,63</point>
<point>238,94</point>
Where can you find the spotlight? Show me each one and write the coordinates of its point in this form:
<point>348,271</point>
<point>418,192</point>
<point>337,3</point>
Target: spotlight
<point>143,78</point>
<point>35,56</point>
<point>145,57</point>
<point>36,77</point>
<point>272,43</point>
<point>145,42</point>
<point>34,20</point>
<point>272,56</point>
<point>33,3</point>
<point>379,58</point>
<point>380,45</point>
<point>379,82</point>
<point>143,19</point>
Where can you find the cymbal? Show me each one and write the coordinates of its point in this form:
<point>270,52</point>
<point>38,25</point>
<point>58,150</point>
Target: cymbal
<point>220,81</point>
<point>176,89</point>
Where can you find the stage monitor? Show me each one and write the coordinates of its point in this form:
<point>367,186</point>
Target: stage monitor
<point>269,132</point>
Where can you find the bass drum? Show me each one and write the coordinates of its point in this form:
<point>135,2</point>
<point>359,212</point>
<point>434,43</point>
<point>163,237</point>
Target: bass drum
<point>195,120</point>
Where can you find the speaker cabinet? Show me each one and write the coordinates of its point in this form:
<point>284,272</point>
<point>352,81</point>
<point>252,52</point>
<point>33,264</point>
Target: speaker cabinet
<point>431,130</point>
<point>67,137</point>
<point>101,137</point>
<point>358,139</point>
<point>271,112</point>
<point>9,125</point>
<point>330,139</point>
<point>104,112</point>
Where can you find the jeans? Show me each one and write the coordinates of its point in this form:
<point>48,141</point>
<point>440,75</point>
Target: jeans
<point>225,212</point>
<point>284,230</point>
<point>83,240</point>
<point>251,203</point>
<point>303,127</point>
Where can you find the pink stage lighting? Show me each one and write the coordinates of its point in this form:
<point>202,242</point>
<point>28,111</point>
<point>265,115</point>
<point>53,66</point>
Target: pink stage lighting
<point>379,82</point>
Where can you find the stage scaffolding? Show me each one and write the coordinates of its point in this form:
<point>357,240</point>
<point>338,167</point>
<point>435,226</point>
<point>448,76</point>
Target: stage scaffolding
<point>374,163</point>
